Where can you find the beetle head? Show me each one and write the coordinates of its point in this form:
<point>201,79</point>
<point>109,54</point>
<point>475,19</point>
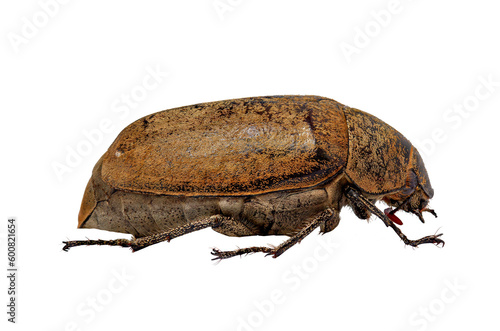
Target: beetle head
<point>415,195</point>
<point>415,203</point>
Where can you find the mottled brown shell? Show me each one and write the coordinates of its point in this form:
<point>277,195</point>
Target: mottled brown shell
<point>232,147</point>
<point>379,156</point>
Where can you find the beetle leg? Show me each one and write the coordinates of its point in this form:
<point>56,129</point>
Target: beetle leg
<point>139,243</point>
<point>322,218</point>
<point>219,255</point>
<point>75,243</point>
<point>353,195</point>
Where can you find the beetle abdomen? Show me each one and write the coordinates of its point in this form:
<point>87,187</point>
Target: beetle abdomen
<point>145,214</point>
<point>278,213</point>
<point>233,147</point>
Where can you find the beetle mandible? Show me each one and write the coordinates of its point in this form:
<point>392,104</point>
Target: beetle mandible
<point>275,165</point>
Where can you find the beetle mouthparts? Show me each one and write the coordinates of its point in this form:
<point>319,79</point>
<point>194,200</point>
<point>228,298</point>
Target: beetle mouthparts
<point>430,211</point>
<point>390,213</point>
<point>419,213</point>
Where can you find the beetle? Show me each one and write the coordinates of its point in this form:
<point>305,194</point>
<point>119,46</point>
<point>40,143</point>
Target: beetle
<point>273,165</point>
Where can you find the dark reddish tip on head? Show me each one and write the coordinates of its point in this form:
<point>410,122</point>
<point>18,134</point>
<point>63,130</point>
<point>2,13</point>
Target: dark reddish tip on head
<point>392,217</point>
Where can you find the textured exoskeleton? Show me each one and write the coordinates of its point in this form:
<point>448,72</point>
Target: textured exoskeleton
<point>278,165</point>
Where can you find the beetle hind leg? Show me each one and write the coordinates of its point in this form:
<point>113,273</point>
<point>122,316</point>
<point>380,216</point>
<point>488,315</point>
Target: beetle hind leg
<point>139,243</point>
<point>116,242</point>
<point>322,218</point>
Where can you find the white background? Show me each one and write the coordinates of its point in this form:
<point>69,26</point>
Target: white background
<point>66,67</point>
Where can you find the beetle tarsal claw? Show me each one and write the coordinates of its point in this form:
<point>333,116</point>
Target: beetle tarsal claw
<point>220,255</point>
<point>433,239</point>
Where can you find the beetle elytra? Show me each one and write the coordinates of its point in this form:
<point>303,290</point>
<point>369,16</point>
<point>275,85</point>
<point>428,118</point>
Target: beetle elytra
<point>276,165</point>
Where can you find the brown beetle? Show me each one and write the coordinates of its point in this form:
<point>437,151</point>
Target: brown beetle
<point>277,165</point>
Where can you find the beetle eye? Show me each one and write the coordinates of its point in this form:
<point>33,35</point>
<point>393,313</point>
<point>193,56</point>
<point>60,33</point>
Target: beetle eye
<point>423,203</point>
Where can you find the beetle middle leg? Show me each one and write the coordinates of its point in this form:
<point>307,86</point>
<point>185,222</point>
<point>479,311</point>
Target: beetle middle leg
<point>357,198</point>
<point>139,243</point>
<point>322,218</point>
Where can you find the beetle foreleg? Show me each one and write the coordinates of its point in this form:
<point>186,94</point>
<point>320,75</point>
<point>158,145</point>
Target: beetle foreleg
<point>139,243</point>
<point>353,195</point>
<point>322,218</point>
